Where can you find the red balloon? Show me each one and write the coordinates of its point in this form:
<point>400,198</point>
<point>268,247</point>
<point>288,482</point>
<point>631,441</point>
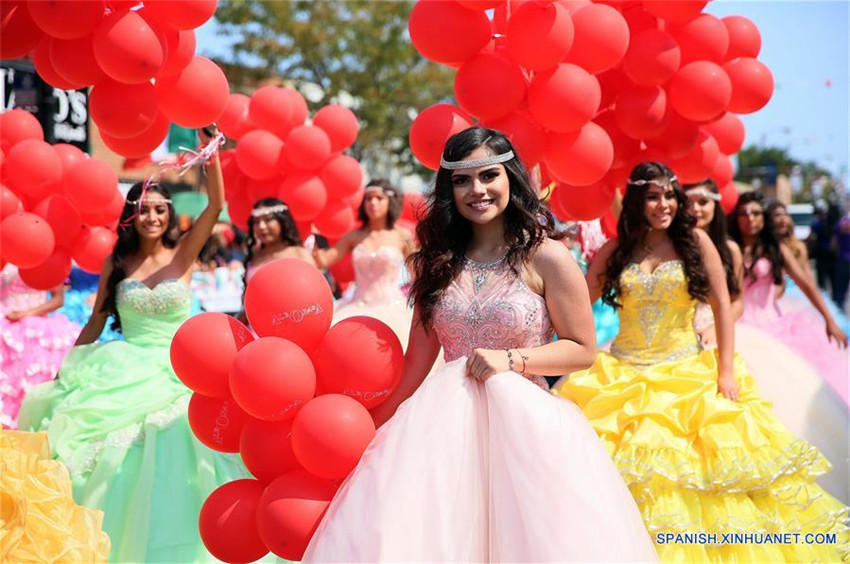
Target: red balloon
<point>298,105</point>
<point>62,216</point>
<point>271,108</point>
<point>744,37</point>
<point>624,147</point>
<point>653,58</point>
<point>413,206</point>
<point>728,197</point>
<point>27,240</point>
<point>266,449</point>
<point>703,38</point>
<point>106,215</point>
<point>271,378</point>
<point>582,157</point>
<point>257,154</point>
<point>69,155</point>
<point>584,203</point>
<point>329,435</point>
<point>18,32</point>
<point>526,135</point>
<point>343,271</point>
<point>446,32</point>
<point>724,171</point>
<point>360,357</point>
<point>17,125</point>
<point>261,189</point>
<point>91,247</point>
<point>564,98</point>
<point>290,510</point>
<point>675,11</point>
<point>203,349</point>
<point>617,178</point>
<point>33,169</point>
<point>228,522</point>
<point>752,85</point>
<point>123,110</point>
<point>180,50</point>
<point>680,137</point>
<point>480,4</point>
<point>235,122</point>
<point>700,91</point>
<point>608,222</point>
<point>9,202</point>
<point>142,144</point>
<point>50,273</point>
<point>305,194</point>
<point>355,199</point>
<point>302,314</point>
<point>339,123</point>
<point>699,162</point>
<point>336,219</point>
<point>480,77</point>
<point>217,422</point>
<point>74,60</point>
<point>729,133</point>
<point>641,112</point>
<point>601,38</point>
<point>91,184</point>
<point>539,35</point>
<point>127,48</point>
<point>182,14</point>
<point>342,176</point>
<point>45,69</point>
<point>432,128</point>
<point>68,19</point>
<point>639,20</point>
<point>307,148</point>
<point>195,97</point>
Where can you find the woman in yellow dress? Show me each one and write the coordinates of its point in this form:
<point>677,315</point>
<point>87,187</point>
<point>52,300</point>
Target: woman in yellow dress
<point>700,450</point>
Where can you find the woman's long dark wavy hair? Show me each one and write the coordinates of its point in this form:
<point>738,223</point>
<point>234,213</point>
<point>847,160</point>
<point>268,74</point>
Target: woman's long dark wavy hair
<point>395,207</point>
<point>766,244</point>
<point>632,229</point>
<point>444,233</point>
<point>288,231</point>
<point>720,236</point>
<point>128,243</point>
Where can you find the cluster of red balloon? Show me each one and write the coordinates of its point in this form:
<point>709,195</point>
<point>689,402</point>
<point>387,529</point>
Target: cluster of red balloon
<point>141,62</point>
<point>56,204</point>
<point>588,90</point>
<point>293,402</point>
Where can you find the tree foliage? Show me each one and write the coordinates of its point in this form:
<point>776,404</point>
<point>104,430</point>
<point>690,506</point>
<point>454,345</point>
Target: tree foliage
<point>349,48</point>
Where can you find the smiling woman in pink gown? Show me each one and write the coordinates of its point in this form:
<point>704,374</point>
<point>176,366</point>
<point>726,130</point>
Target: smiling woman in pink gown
<point>460,472</point>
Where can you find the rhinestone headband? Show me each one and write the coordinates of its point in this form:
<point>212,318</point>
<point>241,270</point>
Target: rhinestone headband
<point>375,187</point>
<point>148,201</point>
<point>659,183</point>
<point>269,210</point>
<point>475,163</point>
<point>704,193</point>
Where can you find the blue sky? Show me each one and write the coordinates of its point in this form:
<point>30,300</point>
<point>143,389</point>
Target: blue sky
<point>805,44</point>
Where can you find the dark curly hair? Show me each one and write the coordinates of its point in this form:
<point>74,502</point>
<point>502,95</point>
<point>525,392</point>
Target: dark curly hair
<point>632,228</point>
<point>444,233</point>
<point>396,202</point>
<point>766,244</point>
<point>288,231</point>
<point>128,243</point>
<point>719,236</point>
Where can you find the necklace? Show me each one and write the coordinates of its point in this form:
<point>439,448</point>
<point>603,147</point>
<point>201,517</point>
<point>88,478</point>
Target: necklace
<point>481,270</point>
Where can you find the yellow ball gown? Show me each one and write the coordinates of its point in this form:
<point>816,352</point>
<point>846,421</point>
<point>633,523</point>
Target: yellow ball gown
<point>694,461</point>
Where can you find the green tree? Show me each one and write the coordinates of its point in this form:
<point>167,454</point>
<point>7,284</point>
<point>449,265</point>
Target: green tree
<point>359,48</point>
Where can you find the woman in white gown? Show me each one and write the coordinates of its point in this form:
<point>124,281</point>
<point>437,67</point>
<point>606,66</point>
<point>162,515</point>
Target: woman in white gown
<point>461,471</point>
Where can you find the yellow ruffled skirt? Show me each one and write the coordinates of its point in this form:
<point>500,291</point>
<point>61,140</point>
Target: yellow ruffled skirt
<point>696,462</point>
<point>39,521</point>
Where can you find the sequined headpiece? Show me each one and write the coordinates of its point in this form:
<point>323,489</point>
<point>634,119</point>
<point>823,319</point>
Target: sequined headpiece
<point>475,163</point>
<point>269,210</point>
<point>700,191</point>
<point>656,182</point>
<point>388,191</point>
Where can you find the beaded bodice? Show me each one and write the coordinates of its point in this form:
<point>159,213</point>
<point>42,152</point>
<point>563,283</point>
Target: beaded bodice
<point>377,275</point>
<point>14,294</point>
<point>492,309</point>
<point>760,295</point>
<point>151,316</point>
<point>657,317</point>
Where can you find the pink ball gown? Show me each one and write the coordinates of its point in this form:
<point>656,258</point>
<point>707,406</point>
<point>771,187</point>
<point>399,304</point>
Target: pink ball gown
<point>465,471</point>
<point>31,349</point>
<point>377,290</point>
<point>799,330</point>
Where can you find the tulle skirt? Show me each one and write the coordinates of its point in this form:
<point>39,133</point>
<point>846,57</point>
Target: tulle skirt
<point>476,472</point>
<point>31,352</point>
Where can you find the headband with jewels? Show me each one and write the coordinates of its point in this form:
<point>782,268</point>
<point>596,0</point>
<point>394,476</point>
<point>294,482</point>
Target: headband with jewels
<point>660,183</point>
<point>475,163</point>
<point>373,187</point>
<point>141,201</point>
<point>700,191</point>
<point>269,210</point>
